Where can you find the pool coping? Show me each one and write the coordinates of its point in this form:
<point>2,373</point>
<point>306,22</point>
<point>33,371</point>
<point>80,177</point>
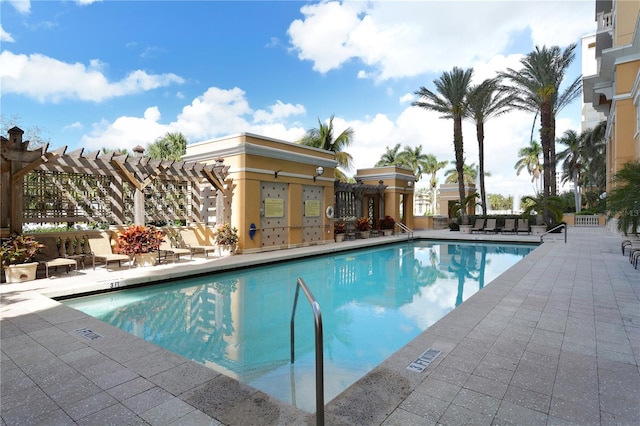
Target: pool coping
<point>202,395</point>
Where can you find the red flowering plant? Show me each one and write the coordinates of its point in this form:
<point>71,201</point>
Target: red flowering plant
<point>388,222</point>
<point>363,224</point>
<point>138,239</point>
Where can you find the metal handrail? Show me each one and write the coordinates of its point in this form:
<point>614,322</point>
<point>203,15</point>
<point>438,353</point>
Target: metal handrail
<point>317,316</point>
<point>562,225</point>
<point>406,229</point>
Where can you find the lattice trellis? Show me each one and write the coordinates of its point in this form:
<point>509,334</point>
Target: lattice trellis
<point>69,197</point>
<point>167,200</point>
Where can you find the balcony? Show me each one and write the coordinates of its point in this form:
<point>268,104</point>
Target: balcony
<point>605,21</point>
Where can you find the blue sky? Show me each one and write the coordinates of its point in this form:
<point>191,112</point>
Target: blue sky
<point>96,74</point>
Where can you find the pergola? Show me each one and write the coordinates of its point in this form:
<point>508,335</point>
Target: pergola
<point>350,198</point>
<point>40,186</point>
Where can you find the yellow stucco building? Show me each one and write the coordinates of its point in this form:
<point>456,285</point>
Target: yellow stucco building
<point>283,195</point>
<point>614,89</point>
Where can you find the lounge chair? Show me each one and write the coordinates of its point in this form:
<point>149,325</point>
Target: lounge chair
<point>629,244</point>
<point>50,256</point>
<point>478,226</point>
<point>100,248</point>
<point>491,226</point>
<point>168,248</point>
<point>523,226</point>
<point>509,226</point>
<point>189,238</point>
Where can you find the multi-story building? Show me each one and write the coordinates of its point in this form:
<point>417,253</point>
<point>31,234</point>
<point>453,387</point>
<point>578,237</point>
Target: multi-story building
<point>614,88</point>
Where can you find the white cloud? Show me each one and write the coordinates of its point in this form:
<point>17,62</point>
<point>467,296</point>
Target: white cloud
<point>429,36</point>
<point>22,6</point>
<point>407,98</point>
<point>278,111</point>
<point>50,80</point>
<point>5,36</point>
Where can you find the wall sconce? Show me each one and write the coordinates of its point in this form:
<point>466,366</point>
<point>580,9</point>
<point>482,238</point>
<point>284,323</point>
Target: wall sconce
<point>319,171</point>
<point>275,174</point>
<point>409,184</point>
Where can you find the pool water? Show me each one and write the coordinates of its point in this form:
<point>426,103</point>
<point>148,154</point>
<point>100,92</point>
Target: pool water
<point>373,302</point>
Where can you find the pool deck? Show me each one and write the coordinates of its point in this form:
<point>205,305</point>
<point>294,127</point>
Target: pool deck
<point>553,340</point>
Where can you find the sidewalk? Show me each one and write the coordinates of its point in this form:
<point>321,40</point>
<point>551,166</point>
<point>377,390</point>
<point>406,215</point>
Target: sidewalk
<point>554,340</point>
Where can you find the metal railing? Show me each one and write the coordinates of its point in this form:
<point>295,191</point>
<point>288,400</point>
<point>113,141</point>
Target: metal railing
<point>562,225</point>
<point>405,229</point>
<point>317,317</point>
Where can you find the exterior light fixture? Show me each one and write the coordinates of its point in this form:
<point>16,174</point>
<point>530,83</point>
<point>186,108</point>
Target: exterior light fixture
<point>275,174</point>
<point>409,184</point>
<point>319,171</point>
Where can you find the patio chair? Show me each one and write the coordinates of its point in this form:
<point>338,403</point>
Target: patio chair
<point>509,226</point>
<point>523,226</point>
<point>187,238</point>
<point>100,248</point>
<point>478,226</point>
<point>491,226</point>
<point>629,244</point>
<point>167,248</point>
<point>50,256</point>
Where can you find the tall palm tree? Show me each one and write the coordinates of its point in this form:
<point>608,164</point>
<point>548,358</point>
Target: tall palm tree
<point>594,157</point>
<point>484,101</point>
<point>431,166</point>
<point>450,101</point>
<point>390,157</point>
<point>322,137</point>
<point>530,159</point>
<point>624,201</point>
<point>413,158</point>
<point>571,158</point>
<point>537,89</point>
<point>470,174</point>
<point>171,146</point>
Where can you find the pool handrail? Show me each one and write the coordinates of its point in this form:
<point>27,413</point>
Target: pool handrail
<point>562,225</point>
<point>405,228</point>
<point>317,316</point>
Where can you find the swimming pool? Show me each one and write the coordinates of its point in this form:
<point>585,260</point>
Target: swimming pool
<point>374,301</point>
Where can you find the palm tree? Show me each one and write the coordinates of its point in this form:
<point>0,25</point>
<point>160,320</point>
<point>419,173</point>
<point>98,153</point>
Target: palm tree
<point>171,146</point>
<point>470,174</point>
<point>594,157</point>
<point>530,159</point>
<point>450,101</point>
<point>322,138</point>
<point>484,101</point>
<point>413,158</point>
<point>537,89</point>
<point>624,201</point>
<point>390,157</point>
<point>571,159</point>
<point>431,165</point>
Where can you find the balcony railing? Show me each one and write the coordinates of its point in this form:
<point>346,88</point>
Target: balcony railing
<point>605,21</point>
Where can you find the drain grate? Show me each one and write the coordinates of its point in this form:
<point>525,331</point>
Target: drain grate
<point>423,360</point>
<point>88,334</point>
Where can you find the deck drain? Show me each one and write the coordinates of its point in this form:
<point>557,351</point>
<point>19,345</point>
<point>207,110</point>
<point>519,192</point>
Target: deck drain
<point>89,334</point>
<point>423,360</point>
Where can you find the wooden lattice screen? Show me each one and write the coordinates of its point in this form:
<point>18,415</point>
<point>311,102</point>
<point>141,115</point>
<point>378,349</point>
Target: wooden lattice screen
<point>76,197</point>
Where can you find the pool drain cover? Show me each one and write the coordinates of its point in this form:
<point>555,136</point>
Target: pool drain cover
<point>423,360</point>
<point>89,334</point>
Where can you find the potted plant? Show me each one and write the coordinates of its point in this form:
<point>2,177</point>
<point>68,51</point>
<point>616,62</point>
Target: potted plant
<point>339,229</point>
<point>364,226</point>
<point>141,242</point>
<point>17,253</point>
<point>226,237</point>
<point>387,224</point>
<point>548,211</point>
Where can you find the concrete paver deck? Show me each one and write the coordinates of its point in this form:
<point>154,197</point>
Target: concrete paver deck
<point>553,340</point>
